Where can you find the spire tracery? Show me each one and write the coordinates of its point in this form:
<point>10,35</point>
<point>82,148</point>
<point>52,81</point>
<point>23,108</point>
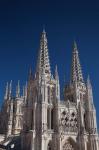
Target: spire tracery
<point>43,66</point>
<point>76,70</point>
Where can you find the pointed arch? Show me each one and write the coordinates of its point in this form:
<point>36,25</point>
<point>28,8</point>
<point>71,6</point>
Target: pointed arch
<point>49,146</point>
<point>48,118</point>
<point>70,144</point>
<point>52,118</point>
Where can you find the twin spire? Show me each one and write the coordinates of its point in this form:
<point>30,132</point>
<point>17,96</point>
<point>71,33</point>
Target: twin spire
<point>43,65</point>
<point>76,71</point>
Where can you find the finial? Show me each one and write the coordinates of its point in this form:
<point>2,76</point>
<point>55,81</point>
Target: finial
<point>75,45</point>
<point>44,29</point>
<point>56,68</point>
<point>18,86</point>
<point>18,89</point>
<point>10,89</point>
<point>88,82</point>
<point>26,89</point>
<point>56,72</point>
<point>6,91</point>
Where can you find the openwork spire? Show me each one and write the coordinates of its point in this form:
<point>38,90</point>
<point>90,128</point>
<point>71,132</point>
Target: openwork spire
<point>43,66</point>
<point>76,71</point>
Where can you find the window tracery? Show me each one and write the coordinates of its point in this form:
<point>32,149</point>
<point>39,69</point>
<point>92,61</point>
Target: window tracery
<point>69,120</point>
<point>67,146</point>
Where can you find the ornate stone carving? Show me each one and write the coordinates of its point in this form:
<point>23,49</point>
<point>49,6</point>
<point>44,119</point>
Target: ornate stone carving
<point>67,146</point>
<point>69,121</point>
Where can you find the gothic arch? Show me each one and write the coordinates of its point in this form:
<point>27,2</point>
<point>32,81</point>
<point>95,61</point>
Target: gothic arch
<point>52,118</point>
<point>49,146</point>
<point>70,144</point>
<point>48,118</point>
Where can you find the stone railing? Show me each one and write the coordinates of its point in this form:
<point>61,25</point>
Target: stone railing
<point>69,129</point>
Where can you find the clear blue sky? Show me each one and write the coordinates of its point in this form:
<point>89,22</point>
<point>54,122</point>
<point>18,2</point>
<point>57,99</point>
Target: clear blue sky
<point>21,23</point>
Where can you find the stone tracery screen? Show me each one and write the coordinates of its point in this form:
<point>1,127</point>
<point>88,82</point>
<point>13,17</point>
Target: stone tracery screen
<point>69,120</point>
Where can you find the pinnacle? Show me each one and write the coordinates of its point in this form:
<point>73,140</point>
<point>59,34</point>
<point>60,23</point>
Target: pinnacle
<point>88,82</point>
<point>75,45</point>
<point>56,72</point>
<point>18,89</point>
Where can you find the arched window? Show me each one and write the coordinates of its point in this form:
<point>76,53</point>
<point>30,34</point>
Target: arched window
<point>48,91</point>
<point>32,120</point>
<point>85,121</point>
<point>70,144</point>
<point>52,119</point>
<point>48,118</point>
<point>49,147</point>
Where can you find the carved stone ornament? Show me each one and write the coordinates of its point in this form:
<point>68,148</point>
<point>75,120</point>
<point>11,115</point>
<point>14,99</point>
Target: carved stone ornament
<point>67,146</point>
<point>69,120</point>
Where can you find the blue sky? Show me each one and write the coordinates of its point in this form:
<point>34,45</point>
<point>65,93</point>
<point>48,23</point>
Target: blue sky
<point>21,23</point>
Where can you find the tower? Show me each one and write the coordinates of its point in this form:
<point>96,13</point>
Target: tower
<point>76,90</point>
<point>48,94</point>
<point>93,140</point>
<point>42,95</point>
<point>41,118</point>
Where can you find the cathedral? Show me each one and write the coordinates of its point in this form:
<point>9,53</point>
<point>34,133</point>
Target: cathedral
<point>38,119</point>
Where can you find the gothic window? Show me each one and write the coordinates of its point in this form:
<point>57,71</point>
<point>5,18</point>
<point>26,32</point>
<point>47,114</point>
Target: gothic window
<point>48,89</point>
<point>52,93</point>
<point>69,121</point>
<point>49,147</point>
<point>52,118</point>
<point>48,118</point>
<point>32,119</point>
<point>85,122</point>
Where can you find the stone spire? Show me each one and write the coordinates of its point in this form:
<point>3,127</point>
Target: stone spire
<point>25,91</point>
<point>57,83</point>
<point>90,103</point>
<point>56,73</point>
<point>91,111</point>
<point>10,89</point>
<point>43,65</point>
<point>6,91</point>
<point>76,71</point>
<point>18,89</point>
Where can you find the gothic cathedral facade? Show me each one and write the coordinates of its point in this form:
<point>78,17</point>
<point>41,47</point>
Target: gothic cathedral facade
<point>41,119</point>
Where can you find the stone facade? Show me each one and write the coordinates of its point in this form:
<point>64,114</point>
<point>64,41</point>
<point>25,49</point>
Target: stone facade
<point>42,119</point>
